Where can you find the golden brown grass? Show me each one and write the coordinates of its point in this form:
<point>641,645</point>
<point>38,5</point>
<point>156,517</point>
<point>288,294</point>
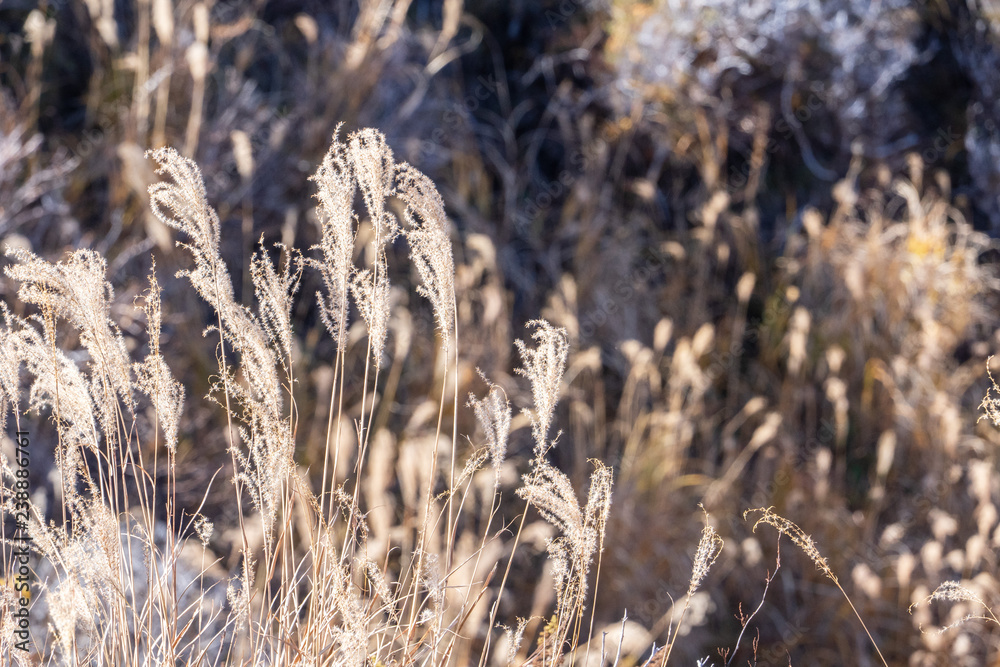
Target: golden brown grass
<point>320,572</point>
<point>755,338</point>
<point>306,588</point>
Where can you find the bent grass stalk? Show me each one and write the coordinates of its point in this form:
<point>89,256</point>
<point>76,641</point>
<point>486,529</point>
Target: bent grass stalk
<point>800,539</point>
<point>954,591</point>
<point>709,548</point>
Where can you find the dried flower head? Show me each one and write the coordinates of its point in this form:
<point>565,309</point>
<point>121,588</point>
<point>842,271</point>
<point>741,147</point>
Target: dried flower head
<point>493,414</point>
<point>335,214</point>
<point>430,246</point>
<point>544,366</point>
<point>796,534</point>
<point>709,548</point>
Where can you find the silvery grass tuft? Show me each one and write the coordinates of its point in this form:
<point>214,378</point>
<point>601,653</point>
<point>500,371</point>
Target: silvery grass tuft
<point>103,597</point>
<point>118,588</point>
<point>493,414</point>
<point>550,491</point>
<point>544,366</point>
<point>954,591</point>
<point>260,405</point>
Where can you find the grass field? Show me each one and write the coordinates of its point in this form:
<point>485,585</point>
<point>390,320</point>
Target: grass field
<point>499,333</point>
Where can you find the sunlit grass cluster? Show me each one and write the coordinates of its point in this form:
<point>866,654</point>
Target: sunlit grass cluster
<point>307,591</point>
<point>283,406</point>
<point>126,576</point>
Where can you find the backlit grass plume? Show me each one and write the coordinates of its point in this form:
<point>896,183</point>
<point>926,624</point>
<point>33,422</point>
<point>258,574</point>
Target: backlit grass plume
<point>336,188</point>
<point>493,414</point>
<point>805,542</point>
<point>430,248</point>
<point>267,431</point>
<point>75,290</point>
<point>544,366</point>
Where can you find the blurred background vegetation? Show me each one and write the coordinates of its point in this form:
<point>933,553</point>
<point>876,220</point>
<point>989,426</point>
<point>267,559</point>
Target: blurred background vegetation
<point>768,227</point>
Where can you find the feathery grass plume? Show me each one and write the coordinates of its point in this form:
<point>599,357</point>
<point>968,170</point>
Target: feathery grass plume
<point>335,213</point>
<point>238,593</point>
<point>550,490</point>
<point>69,607</point>
<point>380,589</point>
<point>270,431</point>
<point>433,582</point>
<point>269,459</point>
<point>493,414</point>
<point>430,245</point>
<point>514,638</point>
<point>10,368</point>
<point>60,387</point>
<point>709,547</point>
<point>371,294</point>
<point>472,465</point>
<point>953,591</point>
<point>183,206</point>
<point>598,507</point>
<point>268,434</point>
<point>153,376</point>
<point>94,595</point>
<point>544,366</point>
<point>265,468</point>
<point>203,528</point>
<point>76,290</point>
<point>991,403</point>
<point>274,294</point>
<point>374,168</point>
<point>346,616</point>
<point>800,539</point>
<point>430,251</point>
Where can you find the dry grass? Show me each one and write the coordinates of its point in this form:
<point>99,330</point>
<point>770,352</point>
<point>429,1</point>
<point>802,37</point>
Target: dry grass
<point>725,323</point>
<point>306,588</point>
